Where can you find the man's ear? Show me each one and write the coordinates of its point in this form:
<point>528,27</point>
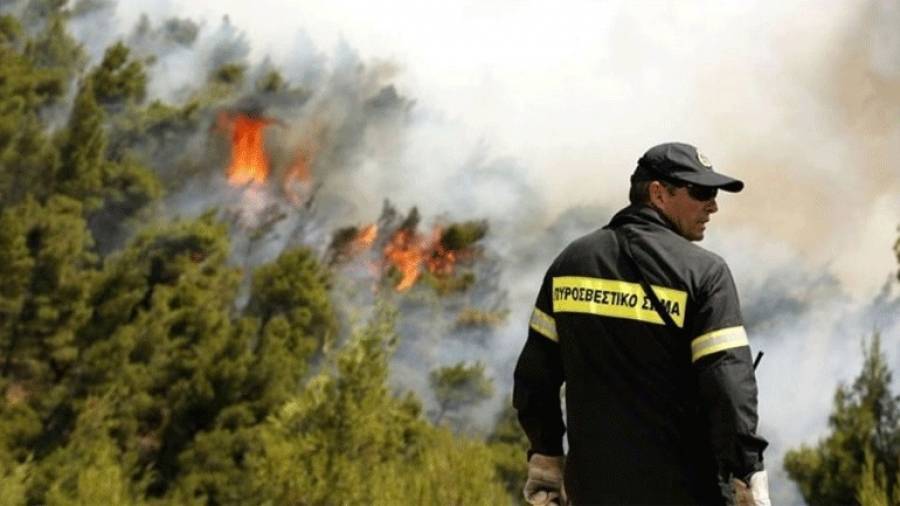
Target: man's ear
<point>655,191</point>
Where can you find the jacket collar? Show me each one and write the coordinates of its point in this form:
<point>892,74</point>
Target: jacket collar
<point>640,214</point>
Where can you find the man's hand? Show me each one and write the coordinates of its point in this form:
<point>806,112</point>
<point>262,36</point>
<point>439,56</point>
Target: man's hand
<point>545,480</point>
<point>754,494</point>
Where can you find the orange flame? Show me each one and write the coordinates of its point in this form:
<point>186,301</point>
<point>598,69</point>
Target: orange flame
<point>405,251</point>
<point>365,238</point>
<point>249,163</point>
<point>409,253</point>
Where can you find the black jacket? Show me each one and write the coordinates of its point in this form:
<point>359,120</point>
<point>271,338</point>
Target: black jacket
<point>655,415</point>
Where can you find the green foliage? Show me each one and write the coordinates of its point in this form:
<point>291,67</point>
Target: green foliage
<point>172,353</point>
<point>865,424</point>
<point>289,316</point>
<point>25,85</point>
<point>509,449</point>
<point>446,285</point>
<point>129,191</point>
<point>48,272</point>
<point>271,82</point>
<point>460,236</point>
<point>81,171</point>
<point>27,158</point>
<point>294,289</point>
<point>28,164</point>
<point>346,440</point>
<point>174,31</point>
<point>54,47</point>
<point>230,73</point>
<point>181,31</point>
<point>872,487</point>
<point>472,317</point>
<point>111,191</point>
<point>131,372</point>
<point>454,470</point>
<point>47,299</point>
<point>10,30</point>
<point>119,79</point>
<point>14,483</point>
<point>129,187</point>
<point>16,265</point>
<point>147,130</point>
<point>459,386</point>
<point>90,469</point>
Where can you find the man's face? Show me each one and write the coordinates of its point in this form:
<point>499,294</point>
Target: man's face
<point>688,213</point>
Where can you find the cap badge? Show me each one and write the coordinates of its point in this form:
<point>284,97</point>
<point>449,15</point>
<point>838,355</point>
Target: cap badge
<point>703,159</point>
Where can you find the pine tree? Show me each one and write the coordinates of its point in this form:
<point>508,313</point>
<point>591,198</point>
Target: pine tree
<point>11,32</point>
<point>288,319</point>
<point>54,48</point>
<point>872,489</point>
<point>125,186</point>
<point>45,303</point>
<point>119,79</point>
<point>14,483</point>
<point>509,448</point>
<point>90,469</point>
<point>130,373</point>
<point>111,192</point>
<point>865,424</point>
<point>346,440</point>
<point>129,193</point>
<point>18,422</point>
<point>82,170</point>
<point>162,341</point>
<point>16,265</point>
<point>290,299</point>
<point>459,387</point>
<point>27,158</point>
<point>49,286</point>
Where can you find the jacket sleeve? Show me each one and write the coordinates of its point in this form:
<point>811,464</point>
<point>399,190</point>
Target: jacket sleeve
<point>726,381</point>
<point>538,378</point>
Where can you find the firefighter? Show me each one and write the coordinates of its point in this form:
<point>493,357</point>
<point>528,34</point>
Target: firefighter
<point>660,390</point>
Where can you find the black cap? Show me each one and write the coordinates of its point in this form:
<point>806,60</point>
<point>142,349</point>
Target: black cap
<point>679,162</point>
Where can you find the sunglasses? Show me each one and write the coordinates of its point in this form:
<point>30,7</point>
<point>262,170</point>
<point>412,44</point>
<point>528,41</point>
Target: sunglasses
<point>698,193</point>
<point>701,193</point>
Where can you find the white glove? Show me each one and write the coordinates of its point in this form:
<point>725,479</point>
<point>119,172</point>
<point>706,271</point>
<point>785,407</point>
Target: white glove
<point>756,494</point>
<point>544,486</point>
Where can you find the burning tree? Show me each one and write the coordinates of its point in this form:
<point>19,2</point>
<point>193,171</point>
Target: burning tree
<point>249,163</point>
<point>405,256</point>
<point>145,358</point>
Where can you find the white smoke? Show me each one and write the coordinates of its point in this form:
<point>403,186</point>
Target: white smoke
<point>532,115</point>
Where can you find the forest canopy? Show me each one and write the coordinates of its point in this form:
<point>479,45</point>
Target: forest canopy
<point>148,357</point>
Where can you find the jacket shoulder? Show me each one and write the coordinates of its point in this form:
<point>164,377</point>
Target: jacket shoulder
<point>706,267</point>
<point>585,246</point>
<point>702,257</point>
